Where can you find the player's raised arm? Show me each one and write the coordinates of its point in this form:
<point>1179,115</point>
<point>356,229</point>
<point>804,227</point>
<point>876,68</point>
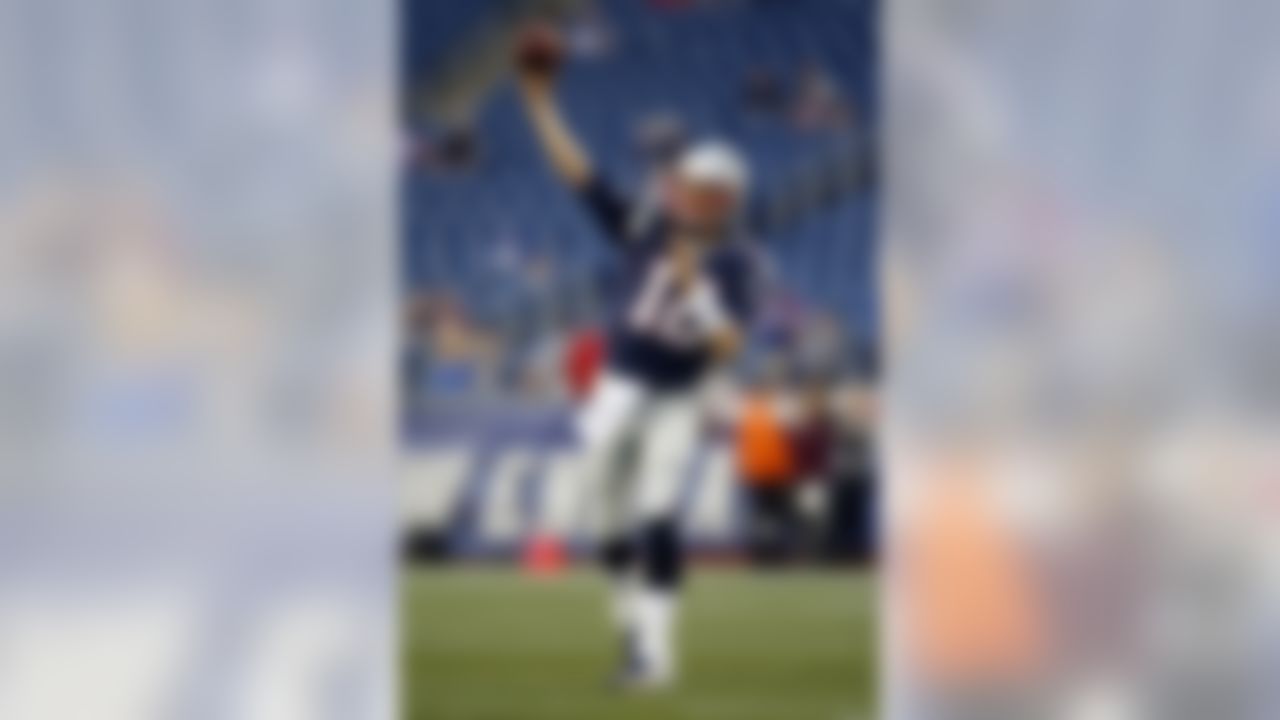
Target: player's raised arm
<point>538,55</point>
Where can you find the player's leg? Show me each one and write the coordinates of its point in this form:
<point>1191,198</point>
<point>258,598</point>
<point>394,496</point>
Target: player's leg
<point>758,519</point>
<point>616,536</point>
<point>606,436</point>
<point>774,524</point>
<point>668,437</point>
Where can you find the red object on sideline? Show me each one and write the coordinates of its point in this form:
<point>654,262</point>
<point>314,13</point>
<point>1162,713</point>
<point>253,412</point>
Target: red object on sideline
<point>544,556</point>
<point>583,359</point>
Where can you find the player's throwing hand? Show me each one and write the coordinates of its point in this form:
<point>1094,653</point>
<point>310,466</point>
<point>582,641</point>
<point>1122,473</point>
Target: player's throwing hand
<point>539,53</point>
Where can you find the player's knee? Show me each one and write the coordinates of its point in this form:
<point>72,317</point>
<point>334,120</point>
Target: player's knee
<point>618,554</point>
<point>659,491</point>
<point>663,562</point>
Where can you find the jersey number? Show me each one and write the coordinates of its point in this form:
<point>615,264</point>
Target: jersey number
<point>662,308</point>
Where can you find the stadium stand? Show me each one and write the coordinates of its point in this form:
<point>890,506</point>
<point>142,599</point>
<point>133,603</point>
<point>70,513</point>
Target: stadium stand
<point>474,226</point>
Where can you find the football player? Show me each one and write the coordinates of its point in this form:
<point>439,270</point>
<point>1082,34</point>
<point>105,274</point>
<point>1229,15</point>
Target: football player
<point>679,313</point>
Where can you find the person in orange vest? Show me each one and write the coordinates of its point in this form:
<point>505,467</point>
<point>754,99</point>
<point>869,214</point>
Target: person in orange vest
<point>766,464</point>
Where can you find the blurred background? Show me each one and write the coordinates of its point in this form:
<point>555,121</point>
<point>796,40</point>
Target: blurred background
<point>196,331</point>
<point>503,277</point>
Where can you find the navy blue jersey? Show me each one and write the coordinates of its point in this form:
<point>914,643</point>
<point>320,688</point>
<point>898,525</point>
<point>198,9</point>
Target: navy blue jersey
<point>658,328</point>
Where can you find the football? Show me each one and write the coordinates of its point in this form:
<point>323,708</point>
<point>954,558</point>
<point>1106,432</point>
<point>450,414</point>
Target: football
<point>539,50</point>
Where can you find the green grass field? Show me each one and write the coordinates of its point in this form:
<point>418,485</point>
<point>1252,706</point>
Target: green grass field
<point>484,644</point>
